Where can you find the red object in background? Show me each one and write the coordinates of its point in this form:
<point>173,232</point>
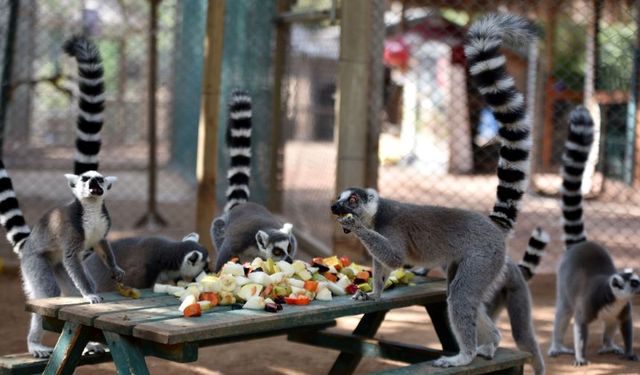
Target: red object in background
<point>396,53</point>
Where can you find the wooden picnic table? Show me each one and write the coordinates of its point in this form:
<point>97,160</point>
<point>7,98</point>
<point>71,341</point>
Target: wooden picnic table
<point>153,326</point>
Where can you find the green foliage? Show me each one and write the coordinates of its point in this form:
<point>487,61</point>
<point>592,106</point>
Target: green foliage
<point>616,56</point>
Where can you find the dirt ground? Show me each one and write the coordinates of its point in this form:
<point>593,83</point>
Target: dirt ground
<point>278,356</point>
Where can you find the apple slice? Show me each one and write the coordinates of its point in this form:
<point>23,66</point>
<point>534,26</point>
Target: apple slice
<point>256,263</point>
<point>298,266</point>
<point>304,275</point>
<point>201,276</point>
<point>249,290</point>
<point>296,282</point>
<point>324,294</point>
<point>234,269</point>
<point>277,277</point>
<point>241,280</point>
<point>336,289</point>
<point>254,303</point>
<point>261,278</point>
<point>286,268</point>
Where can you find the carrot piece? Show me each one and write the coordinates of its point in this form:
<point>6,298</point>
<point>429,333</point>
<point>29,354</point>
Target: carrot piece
<point>363,275</point>
<point>299,300</point>
<point>211,297</point>
<point>329,276</point>
<point>311,285</point>
<point>192,310</point>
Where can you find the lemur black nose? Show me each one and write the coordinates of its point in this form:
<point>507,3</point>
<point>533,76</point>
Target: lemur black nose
<point>288,259</point>
<point>334,208</point>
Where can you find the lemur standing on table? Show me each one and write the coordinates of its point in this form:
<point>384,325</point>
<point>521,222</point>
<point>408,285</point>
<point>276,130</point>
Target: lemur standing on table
<point>246,229</point>
<point>469,245</point>
<point>147,260</point>
<point>50,254</point>
<point>588,287</point>
<point>514,295</point>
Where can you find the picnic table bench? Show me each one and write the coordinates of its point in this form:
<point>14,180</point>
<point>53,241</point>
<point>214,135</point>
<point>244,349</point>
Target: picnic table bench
<point>153,326</point>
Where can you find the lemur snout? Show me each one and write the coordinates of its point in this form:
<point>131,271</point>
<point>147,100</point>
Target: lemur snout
<point>288,259</point>
<point>94,188</point>
<point>339,209</point>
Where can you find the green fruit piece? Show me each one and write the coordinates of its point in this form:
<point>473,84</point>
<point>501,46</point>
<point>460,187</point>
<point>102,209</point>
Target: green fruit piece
<point>365,287</point>
<point>388,284</point>
<point>393,279</point>
<point>318,277</point>
<point>304,275</point>
<point>397,273</point>
<point>348,271</point>
<point>269,266</point>
<point>408,276</point>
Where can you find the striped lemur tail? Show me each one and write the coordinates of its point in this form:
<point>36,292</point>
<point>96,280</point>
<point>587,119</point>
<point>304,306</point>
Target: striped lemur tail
<point>239,143</point>
<point>534,253</point>
<point>574,160</point>
<point>91,102</point>
<point>10,214</point>
<point>487,67</point>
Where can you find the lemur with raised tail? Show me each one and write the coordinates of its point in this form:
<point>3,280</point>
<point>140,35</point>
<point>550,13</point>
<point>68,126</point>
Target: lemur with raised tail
<point>588,286</point>
<point>469,245</point>
<point>246,229</point>
<point>148,260</point>
<point>50,254</point>
<point>514,295</point>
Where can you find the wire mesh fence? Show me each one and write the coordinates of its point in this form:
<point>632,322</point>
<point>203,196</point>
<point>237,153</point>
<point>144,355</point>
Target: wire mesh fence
<point>40,105</point>
<point>437,143</point>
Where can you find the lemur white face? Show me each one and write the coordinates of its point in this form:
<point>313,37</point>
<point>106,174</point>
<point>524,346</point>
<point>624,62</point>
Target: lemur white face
<point>362,203</point>
<point>193,263</point>
<point>625,284</point>
<point>90,184</point>
<point>276,244</point>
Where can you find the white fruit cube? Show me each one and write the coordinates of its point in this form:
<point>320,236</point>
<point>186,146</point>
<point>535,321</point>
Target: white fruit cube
<point>249,290</point>
<point>189,300</point>
<point>260,278</point>
<point>254,303</point>
<point>324,294</point>
<point>298,266</point>
<point>231,268</point>
<point>295,282</point>
<point>286,268</point>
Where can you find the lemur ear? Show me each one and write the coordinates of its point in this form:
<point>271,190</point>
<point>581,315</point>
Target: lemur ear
<point>110,180</point>
<point>191,237</point>
<point>287,228</point>
<point>372,194</point>
<point>72,179</point>
<point>262,238</point>
<point>617,281</point>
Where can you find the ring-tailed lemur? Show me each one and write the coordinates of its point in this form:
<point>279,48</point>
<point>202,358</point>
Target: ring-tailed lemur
<point>90,102</point>
<point>147,260</point>
<point>471,246</point>
<point>246,229</point>
<point>50,255</point>
<point>588,287</point>
<point>514,295</point>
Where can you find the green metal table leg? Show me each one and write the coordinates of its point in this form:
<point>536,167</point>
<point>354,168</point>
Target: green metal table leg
<point>346,363</point>
<point>439,317</point>
<point>68,350</point>
<point>127,354</point>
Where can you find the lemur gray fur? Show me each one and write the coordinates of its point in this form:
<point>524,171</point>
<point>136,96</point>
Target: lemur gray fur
<point>147,260</point>
<point>469,245</point>
<point>246,229</point>
<point>50,255</point>
<point>514,295</point>
<point>588,287</point>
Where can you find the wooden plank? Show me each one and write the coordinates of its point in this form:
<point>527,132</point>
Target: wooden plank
<point>245,321</point>
<point>50,306</point>
<point>209,114</point>
<point>68,349</point>
<point>25,363</point>
<point>347,362</point>
<point>85,314</point>
<point>506,361</point>
<point>365,346</point>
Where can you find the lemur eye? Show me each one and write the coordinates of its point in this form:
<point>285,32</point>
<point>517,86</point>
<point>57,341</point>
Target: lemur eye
<point>353,199</point>
<point>99,180</point>
<point>278,252</point>
<point>85,178</point>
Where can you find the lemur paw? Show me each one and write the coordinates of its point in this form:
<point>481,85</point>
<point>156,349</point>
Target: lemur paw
<point>487,351</point>
<point>607,349</point>
<point>92,298</point>
<point>350,222</point>
<point>117,274</point>
<point>556,351</point>
<point>94,347</point>
<point>362,296</point>
<point>630,357</point>
<point>39,351</point>
<point>453,361</point>
<point>580,362</point>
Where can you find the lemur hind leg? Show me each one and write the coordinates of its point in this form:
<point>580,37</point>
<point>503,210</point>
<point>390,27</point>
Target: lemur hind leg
<point>608,346</point>
<point>560,324</point>
<point>466,293</point>
<point>39,282</point>
<point>519,310</point>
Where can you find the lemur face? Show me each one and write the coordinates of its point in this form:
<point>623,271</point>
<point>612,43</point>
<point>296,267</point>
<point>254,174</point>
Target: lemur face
<point>362,203</point>
<point>625,284</point>
<point>196,260</point>
<point>90,184</point>
<point>277,244</point>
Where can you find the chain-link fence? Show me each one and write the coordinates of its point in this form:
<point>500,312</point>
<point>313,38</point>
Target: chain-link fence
<point>40,103</point>
<point>437,144</point>
<point>437,139</point>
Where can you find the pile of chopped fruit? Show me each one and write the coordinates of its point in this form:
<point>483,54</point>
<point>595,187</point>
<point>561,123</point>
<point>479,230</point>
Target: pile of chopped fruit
<point>266,285</point>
